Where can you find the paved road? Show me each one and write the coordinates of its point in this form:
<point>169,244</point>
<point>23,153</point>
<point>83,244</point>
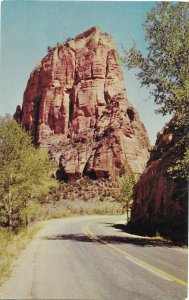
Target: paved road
<point>87,258</point>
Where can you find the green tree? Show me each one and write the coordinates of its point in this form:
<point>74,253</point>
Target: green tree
<point>126,184</point>
<point>165,69</point>
<point>25,174</point>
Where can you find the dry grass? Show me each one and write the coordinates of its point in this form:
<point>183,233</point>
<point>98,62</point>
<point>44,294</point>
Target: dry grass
<point>11,246</point>
<point>67,208</point>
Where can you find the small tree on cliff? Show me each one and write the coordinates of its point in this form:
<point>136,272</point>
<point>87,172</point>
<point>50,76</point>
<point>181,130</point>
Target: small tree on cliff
<point>126,184</point>
<point>166,70</point>
<point>24,174</point>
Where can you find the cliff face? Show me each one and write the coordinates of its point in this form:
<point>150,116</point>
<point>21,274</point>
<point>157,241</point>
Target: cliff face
<point>160,202</point>
<point>75,105</point>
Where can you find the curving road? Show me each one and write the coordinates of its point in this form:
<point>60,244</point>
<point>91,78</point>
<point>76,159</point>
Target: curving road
<point>87,258</point>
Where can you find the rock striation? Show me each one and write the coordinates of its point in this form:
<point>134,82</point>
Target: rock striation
<point>75,105</point>
<point>160,201</point>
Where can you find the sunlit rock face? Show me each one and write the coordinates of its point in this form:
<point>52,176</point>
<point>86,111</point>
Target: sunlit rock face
<point>75,105</point>
<point>160,202</point>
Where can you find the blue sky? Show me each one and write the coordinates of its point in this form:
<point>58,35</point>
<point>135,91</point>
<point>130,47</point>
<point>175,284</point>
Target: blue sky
<point>29,27</point>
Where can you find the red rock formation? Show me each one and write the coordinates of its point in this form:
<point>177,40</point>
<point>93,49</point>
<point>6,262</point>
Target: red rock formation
<point>76,106</point>
<point>158,203</point>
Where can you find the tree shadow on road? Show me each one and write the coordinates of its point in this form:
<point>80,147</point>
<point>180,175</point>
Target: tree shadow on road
<point>110,239</point>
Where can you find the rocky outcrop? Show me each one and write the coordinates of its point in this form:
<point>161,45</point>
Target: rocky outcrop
<point>75,105</point>
<point>160,201</point>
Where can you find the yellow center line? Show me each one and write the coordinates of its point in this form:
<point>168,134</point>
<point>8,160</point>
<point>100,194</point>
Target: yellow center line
<point>132,258</point>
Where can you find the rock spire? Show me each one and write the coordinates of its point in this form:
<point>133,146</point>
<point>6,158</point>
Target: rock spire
<point>75,105</point>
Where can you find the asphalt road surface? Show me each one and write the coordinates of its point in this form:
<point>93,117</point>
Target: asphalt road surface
<point>88,258</point>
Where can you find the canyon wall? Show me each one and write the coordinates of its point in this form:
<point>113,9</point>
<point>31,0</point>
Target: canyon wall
<point>160,200</point>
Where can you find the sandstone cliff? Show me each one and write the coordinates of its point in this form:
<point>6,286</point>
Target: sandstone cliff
<point>75,105</point>
<point>160,202</point>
